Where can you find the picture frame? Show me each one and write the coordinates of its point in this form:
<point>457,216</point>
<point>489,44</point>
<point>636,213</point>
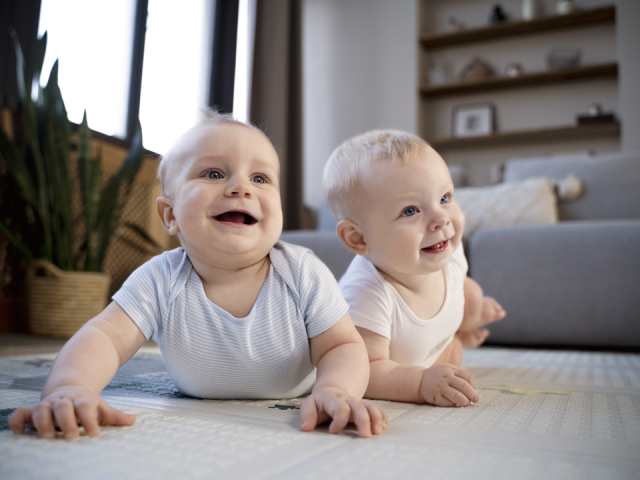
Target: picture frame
<point>473,120</point>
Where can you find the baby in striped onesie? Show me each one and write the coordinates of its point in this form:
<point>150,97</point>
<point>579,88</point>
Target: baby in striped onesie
<point>235,312</point>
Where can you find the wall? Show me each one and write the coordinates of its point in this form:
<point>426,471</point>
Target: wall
<point>359,73</point>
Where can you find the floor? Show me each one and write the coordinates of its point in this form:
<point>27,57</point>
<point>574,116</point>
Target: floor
<point>542,414</point>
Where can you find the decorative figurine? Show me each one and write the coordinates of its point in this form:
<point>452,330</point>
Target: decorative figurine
<point>497,15</point>
<point>565,6</point>
<point>455,23</point>
<point>476,69</point>
<point>563,58</point>
<point>513,70</point>
<point>439,72</point>
<point>530,9</point>
<point>594,110</point>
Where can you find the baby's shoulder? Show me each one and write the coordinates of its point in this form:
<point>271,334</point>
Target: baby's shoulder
<point>167,272</point>
<point>362,275</point>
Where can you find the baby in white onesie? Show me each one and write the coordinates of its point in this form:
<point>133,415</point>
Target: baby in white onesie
<point>407,289</point>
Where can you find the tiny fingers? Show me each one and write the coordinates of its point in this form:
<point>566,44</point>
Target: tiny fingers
<point>109,415</point>
<point>456,397</point>
<point>42,418</point>
<point>19,418</point>
<point>466,376</point>
<point>378,416</point>
<point>87,413</point>
<point>361,418</point>
<point>65,416</point>
<point>308,415</point>
<point>340,411</point>
<point>465,389</point>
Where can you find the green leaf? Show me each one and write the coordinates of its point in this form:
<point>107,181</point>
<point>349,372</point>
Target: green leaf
<point>142,234</point>
<point>23,78</point>
<point>89,173</point>
<point>41,49</point>
<point>115,196</point>
<point>20,245</point>
<point>17,168</point>
<point>135,246</point>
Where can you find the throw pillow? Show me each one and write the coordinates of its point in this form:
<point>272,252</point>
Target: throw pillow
<point>531,201</point>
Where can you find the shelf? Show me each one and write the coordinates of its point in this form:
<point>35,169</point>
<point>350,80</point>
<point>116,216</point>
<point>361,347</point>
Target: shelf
<point>547,134</point>
<point>516,28</point>
<point>541,78</point>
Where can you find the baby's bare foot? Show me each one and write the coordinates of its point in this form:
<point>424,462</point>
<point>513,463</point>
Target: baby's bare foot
<point>472,338</point>
<point>491,311</point>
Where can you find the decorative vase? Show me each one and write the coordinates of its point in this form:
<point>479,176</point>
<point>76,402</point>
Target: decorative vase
<point>60,304</point>
<point>529,9</point>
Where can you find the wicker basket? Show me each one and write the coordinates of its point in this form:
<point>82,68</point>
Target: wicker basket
<point>59,305</point>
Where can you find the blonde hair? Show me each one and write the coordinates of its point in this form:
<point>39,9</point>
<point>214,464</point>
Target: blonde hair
<point>207,116</point>
<point>347,162</point>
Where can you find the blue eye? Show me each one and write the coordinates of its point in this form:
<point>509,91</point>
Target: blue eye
<point>445,198</point>
<point>214,174</point>
<point>409,212</point>
<point>259,179</point>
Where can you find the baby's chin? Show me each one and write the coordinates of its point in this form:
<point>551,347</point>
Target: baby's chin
<point>230,257</point>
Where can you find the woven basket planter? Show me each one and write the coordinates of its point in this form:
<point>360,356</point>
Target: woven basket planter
<point>62,303</point>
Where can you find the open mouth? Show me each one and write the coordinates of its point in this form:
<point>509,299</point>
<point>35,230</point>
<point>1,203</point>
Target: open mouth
<point>239,218</point>
<point>437,248</point>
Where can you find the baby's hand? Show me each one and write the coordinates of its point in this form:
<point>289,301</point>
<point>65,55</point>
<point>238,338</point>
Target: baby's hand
<point>472,338</point>
<point>67,407</point>
<point>491,311</point>
<point>448,386</point>
<point>333,404</point>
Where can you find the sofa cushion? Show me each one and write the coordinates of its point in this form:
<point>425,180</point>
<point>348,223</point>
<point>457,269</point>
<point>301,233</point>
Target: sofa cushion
<point>611,183</point>
<point>570,284</point>
<point>529,202</point>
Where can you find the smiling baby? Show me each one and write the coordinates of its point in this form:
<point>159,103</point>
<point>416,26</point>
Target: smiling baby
<point>407,289</point>
<point>235,312</point>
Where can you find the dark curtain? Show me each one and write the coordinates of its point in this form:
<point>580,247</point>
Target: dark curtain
<point>276,98</point>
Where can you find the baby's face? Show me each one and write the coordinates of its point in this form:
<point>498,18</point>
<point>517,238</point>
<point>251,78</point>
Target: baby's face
<point>225,193</point>
<point>408,215</point>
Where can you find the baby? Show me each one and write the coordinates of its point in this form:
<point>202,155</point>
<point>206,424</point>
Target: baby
<point>407,289</point>
<point>235,312</point>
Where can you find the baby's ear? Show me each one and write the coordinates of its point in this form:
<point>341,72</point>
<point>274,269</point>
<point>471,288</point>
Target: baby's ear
<point>165,212</point>
<point>352,237</point>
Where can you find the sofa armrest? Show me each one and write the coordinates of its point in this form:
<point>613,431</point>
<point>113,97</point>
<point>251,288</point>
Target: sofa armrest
<point>571,284</point>
<point>326,246</point>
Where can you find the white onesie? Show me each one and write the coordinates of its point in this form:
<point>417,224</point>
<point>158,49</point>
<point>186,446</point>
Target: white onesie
<point>376,305</point>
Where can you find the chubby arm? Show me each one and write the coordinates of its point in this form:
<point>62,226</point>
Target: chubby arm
<point>343,373</point>
<point>84,366</point>
<point>443,385</point>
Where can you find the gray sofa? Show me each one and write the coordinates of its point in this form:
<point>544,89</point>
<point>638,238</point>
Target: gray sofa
<point>572,284</point>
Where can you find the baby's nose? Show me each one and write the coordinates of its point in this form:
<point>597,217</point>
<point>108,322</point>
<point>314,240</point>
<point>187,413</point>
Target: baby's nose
<point>239,189</point>
<point>439,222</point>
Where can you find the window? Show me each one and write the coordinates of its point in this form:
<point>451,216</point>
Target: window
<point>93,75</point>
<point>157,60</point>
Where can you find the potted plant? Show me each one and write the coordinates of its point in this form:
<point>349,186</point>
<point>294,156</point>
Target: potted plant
<point>66,246</point>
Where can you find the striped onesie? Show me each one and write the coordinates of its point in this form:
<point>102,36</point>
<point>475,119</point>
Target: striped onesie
<point>211,354</point>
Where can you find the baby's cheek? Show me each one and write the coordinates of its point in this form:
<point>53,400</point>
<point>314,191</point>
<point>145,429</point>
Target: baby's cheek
<point>458,219</point>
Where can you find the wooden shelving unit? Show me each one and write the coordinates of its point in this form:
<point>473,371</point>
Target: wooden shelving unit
<point>527,80</point>
<point>502,32</point>
<point>611,129</point>
<point>512,29</point>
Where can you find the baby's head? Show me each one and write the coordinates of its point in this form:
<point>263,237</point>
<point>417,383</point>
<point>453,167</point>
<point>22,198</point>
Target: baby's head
<point>221,196</point>
<point>392,196</point>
